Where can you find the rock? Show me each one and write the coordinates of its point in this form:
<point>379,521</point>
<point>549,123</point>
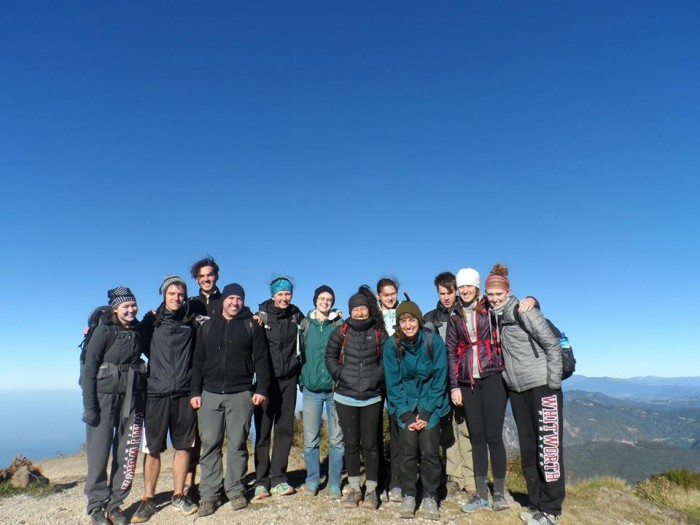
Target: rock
<point>23,477</point>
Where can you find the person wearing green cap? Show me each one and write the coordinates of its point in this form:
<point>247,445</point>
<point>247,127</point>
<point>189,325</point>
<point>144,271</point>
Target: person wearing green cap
<point>415,367</point>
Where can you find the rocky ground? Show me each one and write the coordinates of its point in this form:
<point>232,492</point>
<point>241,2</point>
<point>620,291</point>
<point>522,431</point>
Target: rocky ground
<point>66,505</point>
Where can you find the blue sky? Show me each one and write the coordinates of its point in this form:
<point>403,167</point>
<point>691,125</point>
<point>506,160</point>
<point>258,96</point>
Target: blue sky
<point>341,141</point>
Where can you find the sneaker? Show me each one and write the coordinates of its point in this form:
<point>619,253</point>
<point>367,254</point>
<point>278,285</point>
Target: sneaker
<point>351,498</point>
<point>543,518</point>
<point>430,509</point>
<point>116,516</point>
<point>499,502</point>
<point>146,509</point>
<point>310,489</point>
<point>97,517</point>
<point>371,500</point>
<point>528,513</point>
<point>260,493</point>
<point>476,503</point>
<point>408,507</point>
<point>282,489</point>
<point>334,493</point>
<point>395,495</point>
<point>238,502</point>
<point>207,508</point>
<point>193,493</point>
<point>184,505</point>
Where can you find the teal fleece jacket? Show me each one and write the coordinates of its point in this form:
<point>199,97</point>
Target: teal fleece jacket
<point>417,384</point>
<point>315,335</point>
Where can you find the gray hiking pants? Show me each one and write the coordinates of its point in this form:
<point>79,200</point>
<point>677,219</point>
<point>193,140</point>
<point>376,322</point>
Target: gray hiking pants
<point>219,414</point>
<point>120,436</point>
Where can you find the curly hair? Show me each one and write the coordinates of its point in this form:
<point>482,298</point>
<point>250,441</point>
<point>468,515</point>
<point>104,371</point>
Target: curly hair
<point>374,312</point>
<point>207,261</point>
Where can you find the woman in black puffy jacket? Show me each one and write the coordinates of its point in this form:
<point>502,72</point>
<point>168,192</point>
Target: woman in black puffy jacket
<point>354,359</point>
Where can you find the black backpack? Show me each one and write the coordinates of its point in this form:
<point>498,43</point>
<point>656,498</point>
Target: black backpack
<point>94,319</point>
<point>568,361</point>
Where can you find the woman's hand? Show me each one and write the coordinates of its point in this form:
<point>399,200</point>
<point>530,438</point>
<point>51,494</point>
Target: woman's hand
<point>456,396</point>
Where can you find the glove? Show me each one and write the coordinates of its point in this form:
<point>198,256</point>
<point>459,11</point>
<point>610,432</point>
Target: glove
<point>91,417</point>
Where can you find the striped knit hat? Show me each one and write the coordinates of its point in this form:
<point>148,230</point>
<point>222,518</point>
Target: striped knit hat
<point>119,295</point>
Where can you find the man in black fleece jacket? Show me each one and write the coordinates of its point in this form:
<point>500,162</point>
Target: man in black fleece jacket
<point>230,375</point>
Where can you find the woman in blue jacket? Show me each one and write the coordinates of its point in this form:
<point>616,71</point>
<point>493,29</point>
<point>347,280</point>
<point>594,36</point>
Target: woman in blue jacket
<point>415,368</point>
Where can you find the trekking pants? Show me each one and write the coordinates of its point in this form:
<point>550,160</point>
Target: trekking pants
<point>122,437</point>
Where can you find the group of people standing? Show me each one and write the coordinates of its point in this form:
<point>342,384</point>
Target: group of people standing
<point>213,365</point>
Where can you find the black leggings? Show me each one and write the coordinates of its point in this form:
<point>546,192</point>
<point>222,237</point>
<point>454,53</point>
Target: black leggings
<point>359,426</point>
<point>485,408</point>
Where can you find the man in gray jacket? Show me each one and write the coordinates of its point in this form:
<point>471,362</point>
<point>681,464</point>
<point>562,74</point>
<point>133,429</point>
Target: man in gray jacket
<point>168,407</point>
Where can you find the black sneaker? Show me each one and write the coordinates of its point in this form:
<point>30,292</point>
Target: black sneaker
<point>207,508</point>
<point>183,504</point>
<point>97,517</point>
<point>116,516</point>
<point>146,509</point>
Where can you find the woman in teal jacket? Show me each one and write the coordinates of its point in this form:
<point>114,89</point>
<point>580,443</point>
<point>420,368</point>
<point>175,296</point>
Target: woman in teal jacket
<point>415,367</point>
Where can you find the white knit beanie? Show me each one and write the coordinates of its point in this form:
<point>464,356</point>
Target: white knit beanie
<point>468,277</point>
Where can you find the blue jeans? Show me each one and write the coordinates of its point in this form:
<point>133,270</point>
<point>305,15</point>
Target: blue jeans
<point>313,409</point>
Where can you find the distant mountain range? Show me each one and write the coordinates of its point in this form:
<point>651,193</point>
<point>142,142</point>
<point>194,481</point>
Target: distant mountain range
<point>628,428</point>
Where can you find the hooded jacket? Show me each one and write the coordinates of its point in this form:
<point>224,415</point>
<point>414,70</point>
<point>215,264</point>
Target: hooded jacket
<point>357,367</point>
<point>315,336</point>
<point>171,350</point>
<point>524,371</point>
<point>461,350</point>
<point>416,383</point>
<point>125,351</point>
<point>282,331</point>
<point>230,356</point>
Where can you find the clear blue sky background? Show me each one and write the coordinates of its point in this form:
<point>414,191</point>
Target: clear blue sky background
<point>342,141</point>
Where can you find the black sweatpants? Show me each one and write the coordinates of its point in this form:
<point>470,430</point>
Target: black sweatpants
<point>421,445</point>
<point>485,410</point>
<point>277,412</point>
<point>359,426</point>
<point>539,416</point>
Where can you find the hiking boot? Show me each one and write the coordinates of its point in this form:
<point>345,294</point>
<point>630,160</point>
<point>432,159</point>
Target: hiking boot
<point>499,502</point>
<point>183,504</point>
<point>146,509</point>
<point>260,493</point>
<point>408,507</point>
<point>528,513</point>
<point>543,518</point>
<point>334,493</point>
<point>207,508</point>
<point>395,495</point>
<point>351,498</point>
<point>116,516</point>
<point>97,517</point>
<point>476,503</point>
<point>430,509</point>
<point>238,502</point>
<point>282,489</point>
<point>371,500</point>
<point>310,489</point>
<point>452,488</point>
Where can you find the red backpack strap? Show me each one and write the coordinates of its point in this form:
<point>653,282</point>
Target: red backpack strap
<point>343,330</point>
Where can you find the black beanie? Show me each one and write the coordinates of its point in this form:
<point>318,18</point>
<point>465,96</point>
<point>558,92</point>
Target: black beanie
<point>359,299</point>
<point>233,289</point>
<point>320,290</point>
